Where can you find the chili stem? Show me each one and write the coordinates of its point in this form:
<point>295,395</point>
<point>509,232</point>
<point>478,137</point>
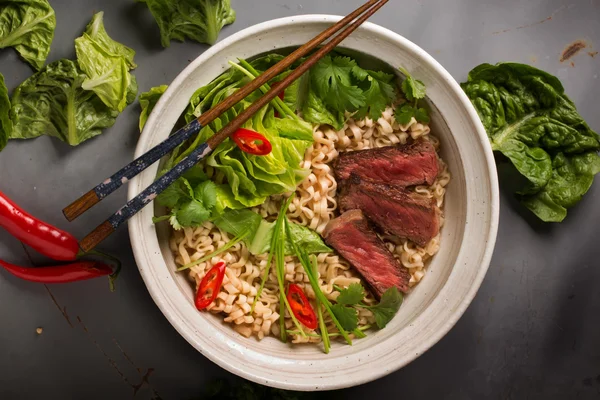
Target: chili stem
<point>227,246</point>
<point>112,278</point>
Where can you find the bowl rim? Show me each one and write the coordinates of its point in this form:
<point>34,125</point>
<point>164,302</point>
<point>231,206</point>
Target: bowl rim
<point>163,301</point>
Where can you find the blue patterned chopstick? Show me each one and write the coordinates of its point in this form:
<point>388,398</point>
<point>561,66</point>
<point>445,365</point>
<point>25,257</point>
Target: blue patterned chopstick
<point>146,196</point>
<point>132,169</point>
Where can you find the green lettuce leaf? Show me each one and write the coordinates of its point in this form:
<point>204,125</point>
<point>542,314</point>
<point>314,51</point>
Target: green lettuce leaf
<point>199,20</point>
<point>106,64</point>
<point>6,125</point>
<point>531,121</point>
<point>147,102</point>
<point>52,102</point>
<point>28,26</point>
<point>96,31</point>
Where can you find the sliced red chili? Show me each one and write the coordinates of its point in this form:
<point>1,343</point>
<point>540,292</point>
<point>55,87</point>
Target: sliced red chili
<point>301,307</point>
<point>252,142</point>
<point>210,286</point>
<point>77,271</point>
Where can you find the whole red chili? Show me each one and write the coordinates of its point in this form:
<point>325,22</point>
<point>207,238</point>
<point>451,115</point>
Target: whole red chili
<point>44,238</point>
<point>301,307</point>
<point>77,271</point>
<point>210,285</point>
<point>247,140</point>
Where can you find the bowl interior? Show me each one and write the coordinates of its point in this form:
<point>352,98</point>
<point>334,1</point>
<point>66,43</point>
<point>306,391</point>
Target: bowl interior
<point>432,307</point>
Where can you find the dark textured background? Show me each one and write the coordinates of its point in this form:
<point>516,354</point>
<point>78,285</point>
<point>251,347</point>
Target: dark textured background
<point>533,331</point>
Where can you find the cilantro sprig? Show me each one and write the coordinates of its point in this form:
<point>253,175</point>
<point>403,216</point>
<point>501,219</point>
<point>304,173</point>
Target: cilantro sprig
<point>352,298</point>
<point>414,91</point>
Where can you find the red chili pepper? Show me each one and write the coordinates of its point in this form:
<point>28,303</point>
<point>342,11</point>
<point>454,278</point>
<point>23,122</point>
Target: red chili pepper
<point>44,238</point>
<point>246,141</point>
<point>281,95</point>
<point>77,271</point>
<point>210,286</point>
<point>300,306</point>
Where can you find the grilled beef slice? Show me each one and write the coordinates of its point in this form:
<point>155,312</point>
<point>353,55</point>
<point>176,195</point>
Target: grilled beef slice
<point>354,240</point>
<point>411,164</point>
<point>393,208</point>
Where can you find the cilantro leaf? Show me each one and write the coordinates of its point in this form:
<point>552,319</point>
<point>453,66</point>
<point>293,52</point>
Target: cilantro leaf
<point>171,196</point>
<point>192,213</point>
<point>412,88</point>
<point>332,80</point>
<point>206,193</point>
<point>347,317</point>
<point>353,294</point>
<point>379,93</point>
<point>422,115</point>
<point>405,112</point>
<point>390,303</point>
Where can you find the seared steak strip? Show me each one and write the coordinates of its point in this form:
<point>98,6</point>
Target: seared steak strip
<point>352,237</point>
<point>393,208</point>
<point>411,164</point>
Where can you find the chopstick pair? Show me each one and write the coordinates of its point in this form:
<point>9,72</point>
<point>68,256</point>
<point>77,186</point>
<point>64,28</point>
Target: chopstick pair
<point>88,200</point>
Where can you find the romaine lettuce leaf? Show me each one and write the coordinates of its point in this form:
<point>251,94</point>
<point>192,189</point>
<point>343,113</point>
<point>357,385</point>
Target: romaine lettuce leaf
<point>52,102</point>
<point>147,102</point>
<point>28,26</point>
<point>6,124</point>
<point>106,64</point>
<point>531,121</point>
<point>199,20</point>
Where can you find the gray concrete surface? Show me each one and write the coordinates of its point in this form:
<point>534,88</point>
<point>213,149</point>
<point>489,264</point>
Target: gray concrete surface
<point>531,333</point>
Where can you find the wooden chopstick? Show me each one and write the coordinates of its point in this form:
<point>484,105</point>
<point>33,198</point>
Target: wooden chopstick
<point>148,194</point>
<point>92,197</point>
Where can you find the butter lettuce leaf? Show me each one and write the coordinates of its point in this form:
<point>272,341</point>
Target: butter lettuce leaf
<point>199,20</point>
<point>52,102</point>
<point>530,120</point>
<point>106,64</point>
<point>28,26</point>
<point>6,124</point>
<point>147,102</point>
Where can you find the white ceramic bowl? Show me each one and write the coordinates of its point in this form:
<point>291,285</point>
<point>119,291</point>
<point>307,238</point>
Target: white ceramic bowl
<point>435,305</point>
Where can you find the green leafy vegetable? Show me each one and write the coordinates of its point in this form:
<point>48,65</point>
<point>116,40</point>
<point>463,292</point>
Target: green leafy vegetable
<point>52,102</point>
<point>332,81</point>
<point>352,295</point>
<point>261,232</point>
<point>28,26</point>
<point>390,303</point>
<point>379,92</point>
<point>414,91</point>
<point>148,100</point>
<point>190,199</point>
<point>347,316</point>
<point>6,124</point>
<point>412,88</point>
<point>199,20</point>
<point>531,121</point>
<point>106,64</point>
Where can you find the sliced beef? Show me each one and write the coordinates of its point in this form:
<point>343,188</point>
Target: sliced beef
<point>352,237</point>
<point>393,208</point>
<point>411,164</point>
